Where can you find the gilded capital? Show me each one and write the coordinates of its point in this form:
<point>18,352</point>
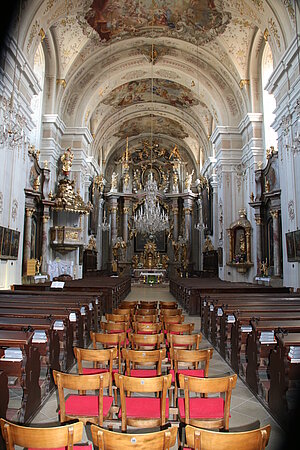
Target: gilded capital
<point>126,210</point>
<point>258,220</point>
<point>274,213</point>
<point>29,212</point>
<point>45,219</point>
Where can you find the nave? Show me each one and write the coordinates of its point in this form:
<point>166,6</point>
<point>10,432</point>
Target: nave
<point>245,410</point>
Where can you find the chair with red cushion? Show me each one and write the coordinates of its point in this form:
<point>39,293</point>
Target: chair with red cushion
<point>108,340</point>
<point>93,408</point>
<point>143,412</point>
<point>102,361</point>
<point>58,438</point>
<point>167,320</point>
<point>144,341</point>
<point>184,341</point>
<point>144,359</point>
<point>112,440</point>
<point>200,439</point>
<point>145,318</point>
<point>187,362</point>
<point>179,328</point>
<point>115,327</point>
<point>147,304</point>
<point>207,411</point>
<point>167,305</point>
<point>117,317</point>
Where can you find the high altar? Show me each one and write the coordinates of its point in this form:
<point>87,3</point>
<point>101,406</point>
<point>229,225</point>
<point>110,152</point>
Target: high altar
<point>150,267</point>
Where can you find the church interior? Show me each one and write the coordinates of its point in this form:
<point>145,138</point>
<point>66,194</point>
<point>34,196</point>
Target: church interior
<point>148,177</point>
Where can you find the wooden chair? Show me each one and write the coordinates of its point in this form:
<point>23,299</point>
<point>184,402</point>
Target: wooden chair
<point>108,340</point>
<point>146,328</point>
<point>168,305</point>
<point>111,440</point>
<point>114,327</point>
<point>102,361</point>
<point>128,304</point>
<point>92,408</point>
<point>184,341</point>
<point>180,328</point>
<point>117,318</point>
<point>122,311</point>
<point>144,358</point>
<point>190,360</point>
<point>43,438</point>
<point>145,318</point>
<point>147,304</point>
<point>170,312</point>
<point>140,341</point>
<point>206,412</point>
<point>213,440</point>
<point>143,412</point>
<point>166,320</point>
<point>146,312</point>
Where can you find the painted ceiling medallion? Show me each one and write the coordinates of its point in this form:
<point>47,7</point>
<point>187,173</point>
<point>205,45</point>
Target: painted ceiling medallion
<point>164,91</point>
<point>190,20</point>
<point>160,125</point>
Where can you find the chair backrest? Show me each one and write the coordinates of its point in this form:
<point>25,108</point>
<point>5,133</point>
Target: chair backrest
<point>114,327</point>
<point>199,438</point>
<point>168,305</point>
<point>190,341</point>
<point>80,383</point>
<point>149,318</point>
<point>143,358</point>
<point>147,304</point>
<point>222,385</point>
<point>48,437</point>
<point>96,356</point>
<point>172,319</point>
<point>193,357</point>
<point>111,440</point>
<point>128,304</point>
<point>170,312</point>
<point>141,340</point>
<point>146,328</point>
<point>146,311</point>
<point>117,317</point>
<point>123,311</point>
<point>180,328</point>
<point>108,339</point>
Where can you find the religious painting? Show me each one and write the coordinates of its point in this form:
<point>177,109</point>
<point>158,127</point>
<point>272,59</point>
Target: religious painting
<point>159,239</point>
<point>290,247</point>
<point>189,20</point>
<point>140,125</point>
<point>141,91</point>
<point>5,248</point>
<point>297,244</point>
<point>14,244</point>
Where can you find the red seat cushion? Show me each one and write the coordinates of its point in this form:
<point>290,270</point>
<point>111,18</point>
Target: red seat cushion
<point>144,407</point>
<point>77,447</point>
<point>143,373</point>
<point>198,373</point>
<point>203,408</point>
<point>86,405</point>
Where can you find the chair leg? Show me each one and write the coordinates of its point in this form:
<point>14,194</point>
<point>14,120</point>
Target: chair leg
<point>181,436</point>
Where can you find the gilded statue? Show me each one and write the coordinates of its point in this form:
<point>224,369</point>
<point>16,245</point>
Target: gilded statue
<point>242,244</point>
<point>135,261</point>
<point>165,261</point>
<point>175,153</point>
<point>67,160</point>
<point>175,181</point>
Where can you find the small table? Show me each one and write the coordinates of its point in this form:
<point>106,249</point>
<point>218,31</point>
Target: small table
<point>152,277</point>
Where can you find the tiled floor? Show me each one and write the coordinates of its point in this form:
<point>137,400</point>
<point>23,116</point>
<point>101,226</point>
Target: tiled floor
<point>246,411</point>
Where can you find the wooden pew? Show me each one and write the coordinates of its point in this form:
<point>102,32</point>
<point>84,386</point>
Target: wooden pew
<point>4,402</point>
<point>27,370</point>
<point>257,353</point>
<point>284,392</point>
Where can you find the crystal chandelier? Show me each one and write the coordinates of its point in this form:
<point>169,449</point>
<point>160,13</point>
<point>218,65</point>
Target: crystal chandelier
<point>151,218</point>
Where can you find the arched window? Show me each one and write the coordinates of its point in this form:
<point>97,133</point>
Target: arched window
<point>269,103</point>
<point>37,100</point>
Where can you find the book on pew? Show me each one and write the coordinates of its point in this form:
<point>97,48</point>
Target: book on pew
<point>246,328</point>
<point>267,337</point>
<point>58,325</point>
<point>230,318</point>
<point>12,354</point>
<point>220,312</point>
<point>72,317</point>
<point>57,284</point>
<point>39,337</point>
<point>294,354</point>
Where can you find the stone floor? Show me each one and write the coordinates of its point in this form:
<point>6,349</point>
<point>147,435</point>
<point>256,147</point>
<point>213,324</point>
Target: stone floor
<point>246,411</point>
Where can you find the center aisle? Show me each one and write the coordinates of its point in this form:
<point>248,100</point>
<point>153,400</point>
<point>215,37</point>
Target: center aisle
<point>246,411</point>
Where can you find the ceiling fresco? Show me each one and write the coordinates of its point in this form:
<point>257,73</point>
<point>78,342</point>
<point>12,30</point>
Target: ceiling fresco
<point>164,91</point>
<point>191,20</point>
<point>159,125</point>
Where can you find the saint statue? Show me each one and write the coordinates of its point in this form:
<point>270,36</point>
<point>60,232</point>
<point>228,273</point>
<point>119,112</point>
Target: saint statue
<point>188,181</point>
<point>175,181</point>
<point>67,160</point>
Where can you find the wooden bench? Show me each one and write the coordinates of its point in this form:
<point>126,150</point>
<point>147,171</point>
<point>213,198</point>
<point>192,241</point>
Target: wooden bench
<point>27,370</point>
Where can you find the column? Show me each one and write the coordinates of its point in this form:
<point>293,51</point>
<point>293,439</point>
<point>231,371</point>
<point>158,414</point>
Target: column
<point>200,233</point>
<point>125,222</point>
<point>99,234</point>
<point>215,223</point>
<point>188,209</point>
<point>275,216</point>
<point>113,206</point>
<point>45,244</point>
<point>258,221</point>
<point>175,218</point>
<point>27,237</point>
